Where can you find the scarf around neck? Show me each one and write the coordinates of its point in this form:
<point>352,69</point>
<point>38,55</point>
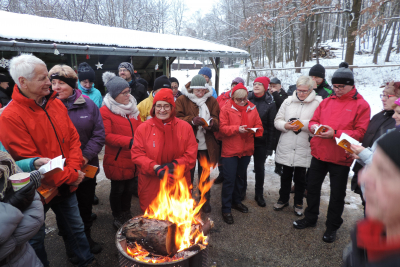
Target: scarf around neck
<point>204,112</point>
<point>243,110</point>
<point>127,111</point>
<point>169,139</point>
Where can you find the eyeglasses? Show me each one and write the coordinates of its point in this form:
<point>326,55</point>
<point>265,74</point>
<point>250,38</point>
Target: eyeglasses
<point>165,107</point>
<point>385,96</point>
<point>302,92</point>
<point>339,87</point>
<point>126,93</point>
<point>174,87</point>
<point>123,70</point>
<point>257,84</point>
<point>239,100</point>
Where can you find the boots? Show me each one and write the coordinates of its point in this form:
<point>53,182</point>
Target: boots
<point>95,247</point>
<point>72,258</point>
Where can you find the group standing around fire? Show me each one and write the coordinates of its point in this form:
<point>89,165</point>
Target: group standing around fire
<point>149,135</point>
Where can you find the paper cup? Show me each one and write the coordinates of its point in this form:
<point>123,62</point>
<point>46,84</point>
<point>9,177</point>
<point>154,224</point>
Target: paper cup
<point>19,180</point>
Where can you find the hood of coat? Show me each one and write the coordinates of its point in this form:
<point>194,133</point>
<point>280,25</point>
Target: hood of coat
<point>310,97</point>
<point>268,98</point>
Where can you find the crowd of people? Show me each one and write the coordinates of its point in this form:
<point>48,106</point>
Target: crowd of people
<point>147,135</point>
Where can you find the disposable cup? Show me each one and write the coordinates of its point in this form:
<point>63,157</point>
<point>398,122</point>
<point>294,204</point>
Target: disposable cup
<point>19,180</point>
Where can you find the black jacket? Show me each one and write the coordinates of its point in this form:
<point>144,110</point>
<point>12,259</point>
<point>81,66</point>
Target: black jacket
<point>378,126</point>
<point>267,110</point>
<point>279,97</point>
<point>4,98</point>
<point>322,89</point>
<point>358,257</point>
<point>138,91</point>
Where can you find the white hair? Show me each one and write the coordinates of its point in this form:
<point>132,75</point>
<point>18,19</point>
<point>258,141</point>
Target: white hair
<point>24,66</point>
<point>305,80</point>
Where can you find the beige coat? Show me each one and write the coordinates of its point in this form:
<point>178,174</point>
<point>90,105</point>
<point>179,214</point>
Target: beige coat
<point>294,149</point>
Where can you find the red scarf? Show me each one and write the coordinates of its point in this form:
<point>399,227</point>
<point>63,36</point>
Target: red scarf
<point>370,236</point>
<point>169,139</point>
<point>243,110</point>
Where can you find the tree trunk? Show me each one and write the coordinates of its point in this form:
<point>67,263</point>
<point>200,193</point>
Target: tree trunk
<point>353,27</point>
<point>300,53</point>
<point>391,43</point>
<point>154,235</point>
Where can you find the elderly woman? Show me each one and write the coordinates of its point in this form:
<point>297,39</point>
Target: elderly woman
<point>263,145</point>
<point>376,239</point>
<point>196,104</point>
<point>85,115</point>
<point>239,124</point>
<point>293,150</point>
<point>21,216</point>
<point>121,118</point>
<point>160,144</point>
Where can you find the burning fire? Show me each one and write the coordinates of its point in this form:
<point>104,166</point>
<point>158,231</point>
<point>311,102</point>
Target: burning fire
<point>174,203</point>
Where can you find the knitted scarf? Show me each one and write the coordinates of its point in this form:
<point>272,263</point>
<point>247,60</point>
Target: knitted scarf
<point>130,110</point>
<point>7,168</point>
<point>243,110</point>
<point>204,112</point>
<point>169,139</point>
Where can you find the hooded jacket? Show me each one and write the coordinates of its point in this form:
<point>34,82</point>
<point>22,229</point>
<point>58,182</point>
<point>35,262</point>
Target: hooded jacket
<point>235,144</point>
<point>266,108</point>
<point>186,110</point>
<point>294,149</point>
<point>16,229</point>
<point>86,117</point>
<point>348,114</point>
<point>44,132</point>
<point>145,106</point>
<point>119,132</point>
<point>145,150</point>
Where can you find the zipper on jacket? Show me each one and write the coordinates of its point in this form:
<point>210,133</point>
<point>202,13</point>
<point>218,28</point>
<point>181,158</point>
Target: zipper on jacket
<point>62,153</point>
<point>131,126</point>
<point>116,157</point>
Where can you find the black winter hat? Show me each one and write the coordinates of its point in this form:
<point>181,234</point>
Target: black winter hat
<point>174,80</point>
<point>161,82</point>
<point>4,78</point>
<point>318,71</point>
<point>390,144</point>
<point>343,75</point>
<point>86,72</point>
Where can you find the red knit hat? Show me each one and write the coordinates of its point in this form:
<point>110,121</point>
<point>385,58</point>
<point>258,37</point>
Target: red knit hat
<point>164,95</point>
<point>264,80</point>
<point>237,87</point>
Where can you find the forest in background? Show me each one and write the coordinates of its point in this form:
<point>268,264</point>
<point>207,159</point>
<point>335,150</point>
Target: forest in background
<point>273,31</point>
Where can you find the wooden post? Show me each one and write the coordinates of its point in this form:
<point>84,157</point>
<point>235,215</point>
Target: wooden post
<point>216,66</point>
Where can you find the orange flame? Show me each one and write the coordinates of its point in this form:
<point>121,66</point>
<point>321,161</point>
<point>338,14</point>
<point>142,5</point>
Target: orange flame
<point>174,203</point>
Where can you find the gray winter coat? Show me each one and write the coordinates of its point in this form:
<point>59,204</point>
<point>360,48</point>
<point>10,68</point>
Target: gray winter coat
<point>16,228</point>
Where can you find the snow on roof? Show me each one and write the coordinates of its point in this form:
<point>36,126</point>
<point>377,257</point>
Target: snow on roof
<point>188,61</point>
<point>29,27</point>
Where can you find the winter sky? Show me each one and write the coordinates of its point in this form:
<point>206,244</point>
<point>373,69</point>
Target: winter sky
<point>204,5</point>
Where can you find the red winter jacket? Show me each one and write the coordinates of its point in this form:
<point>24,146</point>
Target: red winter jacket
<point>348,114</point>
<point>29,131</point>
<point>145,151</point>
<point>119,132</point>
<point>235,144</point>
<point>223,98</point>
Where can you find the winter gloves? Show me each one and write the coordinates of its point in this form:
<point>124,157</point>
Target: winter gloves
<point>166,168</point>
<point>23,198</point>
<point>197,121</point>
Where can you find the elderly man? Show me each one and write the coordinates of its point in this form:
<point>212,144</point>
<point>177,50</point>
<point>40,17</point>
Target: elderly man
<point>125,71</point>
<point>345,112</point>
<point>36,124</point>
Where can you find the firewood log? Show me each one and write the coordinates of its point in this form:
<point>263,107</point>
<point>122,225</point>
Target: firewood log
<point>156,236</point>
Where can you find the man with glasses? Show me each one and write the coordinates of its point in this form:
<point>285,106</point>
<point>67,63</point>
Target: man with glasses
<point>345,112</point>
<point>175,87</point>
<point>125,71</point>
<point>378,126</point>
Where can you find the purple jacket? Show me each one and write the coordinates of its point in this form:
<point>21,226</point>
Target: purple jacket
<point>85,115</point>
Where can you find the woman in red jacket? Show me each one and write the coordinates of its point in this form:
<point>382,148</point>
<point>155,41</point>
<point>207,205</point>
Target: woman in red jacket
<point>236,117</point>
<point>160,144</point>
<point>120,118</point>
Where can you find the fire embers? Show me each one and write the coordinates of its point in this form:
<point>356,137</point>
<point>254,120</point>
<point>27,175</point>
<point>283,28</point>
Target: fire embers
<point>171,228</point>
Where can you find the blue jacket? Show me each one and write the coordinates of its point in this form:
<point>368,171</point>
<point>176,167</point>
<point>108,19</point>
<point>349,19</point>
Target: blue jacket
<point>93,94</point>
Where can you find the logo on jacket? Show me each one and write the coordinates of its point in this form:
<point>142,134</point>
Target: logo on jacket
<point>84,117</point>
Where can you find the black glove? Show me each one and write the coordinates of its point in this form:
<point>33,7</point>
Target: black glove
<point>170,165</point>
<point>21,199</point>
<point>160,171</point>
